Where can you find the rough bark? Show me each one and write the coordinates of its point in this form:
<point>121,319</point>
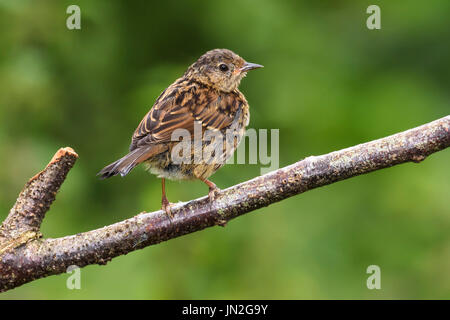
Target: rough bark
<point>26,256</point>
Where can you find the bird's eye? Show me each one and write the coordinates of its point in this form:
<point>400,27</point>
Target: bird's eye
<point>223,67</point>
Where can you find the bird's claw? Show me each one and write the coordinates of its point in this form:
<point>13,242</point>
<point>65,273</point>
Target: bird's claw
<point>166,208</point>
<point>213,193</point>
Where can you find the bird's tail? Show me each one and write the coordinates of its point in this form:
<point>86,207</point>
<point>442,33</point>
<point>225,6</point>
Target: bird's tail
<point>124,165</point>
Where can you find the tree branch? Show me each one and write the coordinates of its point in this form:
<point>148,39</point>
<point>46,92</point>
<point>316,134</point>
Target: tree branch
<point>24,256</point>
<point>25,217</point>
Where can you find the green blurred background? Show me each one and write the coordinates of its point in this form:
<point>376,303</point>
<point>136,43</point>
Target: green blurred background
<point>328,83</point>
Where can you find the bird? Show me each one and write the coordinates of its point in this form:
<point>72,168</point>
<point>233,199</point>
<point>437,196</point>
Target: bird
<point>207,95</point>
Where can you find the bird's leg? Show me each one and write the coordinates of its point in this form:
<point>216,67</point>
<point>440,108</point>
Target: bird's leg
<point>213,189</point>
<point>165,203</point>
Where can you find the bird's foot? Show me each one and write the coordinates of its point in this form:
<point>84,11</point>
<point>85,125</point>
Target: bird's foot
<point>213,193</point>
<point>166,207</point>
<point>213,190</point>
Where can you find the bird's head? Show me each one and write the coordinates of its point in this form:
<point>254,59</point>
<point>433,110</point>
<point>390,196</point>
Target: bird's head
<point>221,69</point>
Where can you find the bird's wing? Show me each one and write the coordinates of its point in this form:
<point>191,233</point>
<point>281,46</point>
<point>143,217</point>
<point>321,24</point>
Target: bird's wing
<point>179,107</point>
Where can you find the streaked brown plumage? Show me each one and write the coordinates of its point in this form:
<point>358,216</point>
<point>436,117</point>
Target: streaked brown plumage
<point>208,93</point>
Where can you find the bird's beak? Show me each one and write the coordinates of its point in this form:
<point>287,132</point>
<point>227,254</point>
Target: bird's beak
<point>250,66</point>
